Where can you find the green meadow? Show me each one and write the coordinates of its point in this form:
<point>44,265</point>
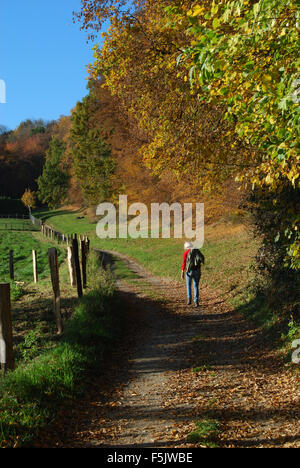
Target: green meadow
<point>229,250</point>
<point>22,243</point>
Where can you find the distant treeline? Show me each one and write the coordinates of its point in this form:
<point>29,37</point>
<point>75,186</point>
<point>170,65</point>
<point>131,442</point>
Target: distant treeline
<point>10,206</point>
<point>22,156</point>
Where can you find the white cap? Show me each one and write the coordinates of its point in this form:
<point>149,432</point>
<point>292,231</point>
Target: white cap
<point>188,245</point>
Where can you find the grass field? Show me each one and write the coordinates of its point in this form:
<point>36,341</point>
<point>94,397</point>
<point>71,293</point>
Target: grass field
<point>12,224</point>
<point>22,243</point>
<point>228,249</point>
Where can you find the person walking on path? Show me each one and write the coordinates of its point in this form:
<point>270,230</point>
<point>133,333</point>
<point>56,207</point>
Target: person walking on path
<point>191,269</point>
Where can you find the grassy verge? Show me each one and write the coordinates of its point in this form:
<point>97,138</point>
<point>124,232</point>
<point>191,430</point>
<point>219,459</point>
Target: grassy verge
<point>29,395</point>
<point>34,329</point>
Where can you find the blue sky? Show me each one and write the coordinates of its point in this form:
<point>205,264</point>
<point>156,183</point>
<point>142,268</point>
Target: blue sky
<point>43,58</point>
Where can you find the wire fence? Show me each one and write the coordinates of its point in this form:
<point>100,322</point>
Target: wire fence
<point>11,226</point>
<point>14,216</point>
<point>17,224</point>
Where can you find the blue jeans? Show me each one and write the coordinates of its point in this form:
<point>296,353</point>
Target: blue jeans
<point>193,277</point>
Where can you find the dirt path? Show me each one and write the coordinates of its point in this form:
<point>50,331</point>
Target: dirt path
<point>176,366</point>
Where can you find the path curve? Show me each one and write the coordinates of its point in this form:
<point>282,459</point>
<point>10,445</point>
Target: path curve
<point>179,365</point>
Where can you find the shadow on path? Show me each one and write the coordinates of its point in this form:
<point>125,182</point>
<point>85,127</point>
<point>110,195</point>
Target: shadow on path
<point>150,393</point>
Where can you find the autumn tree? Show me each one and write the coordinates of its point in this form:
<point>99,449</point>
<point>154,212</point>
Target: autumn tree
<point>22,156</point>
<point>29,199</point>
<point>245,55</point>
<point>92,161</point>
<point>53,183</point>
<point>3,129</point>
<point>139,64</point>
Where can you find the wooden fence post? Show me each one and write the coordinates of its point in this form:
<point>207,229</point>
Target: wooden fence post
<point>56,289</point>
<point>83,262</point>
<point>6,339</point>
<point>34,262</point>
<point>11,265</point>
<point>77,266</point>
<point>71,264</point>
<point>88,245</point>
